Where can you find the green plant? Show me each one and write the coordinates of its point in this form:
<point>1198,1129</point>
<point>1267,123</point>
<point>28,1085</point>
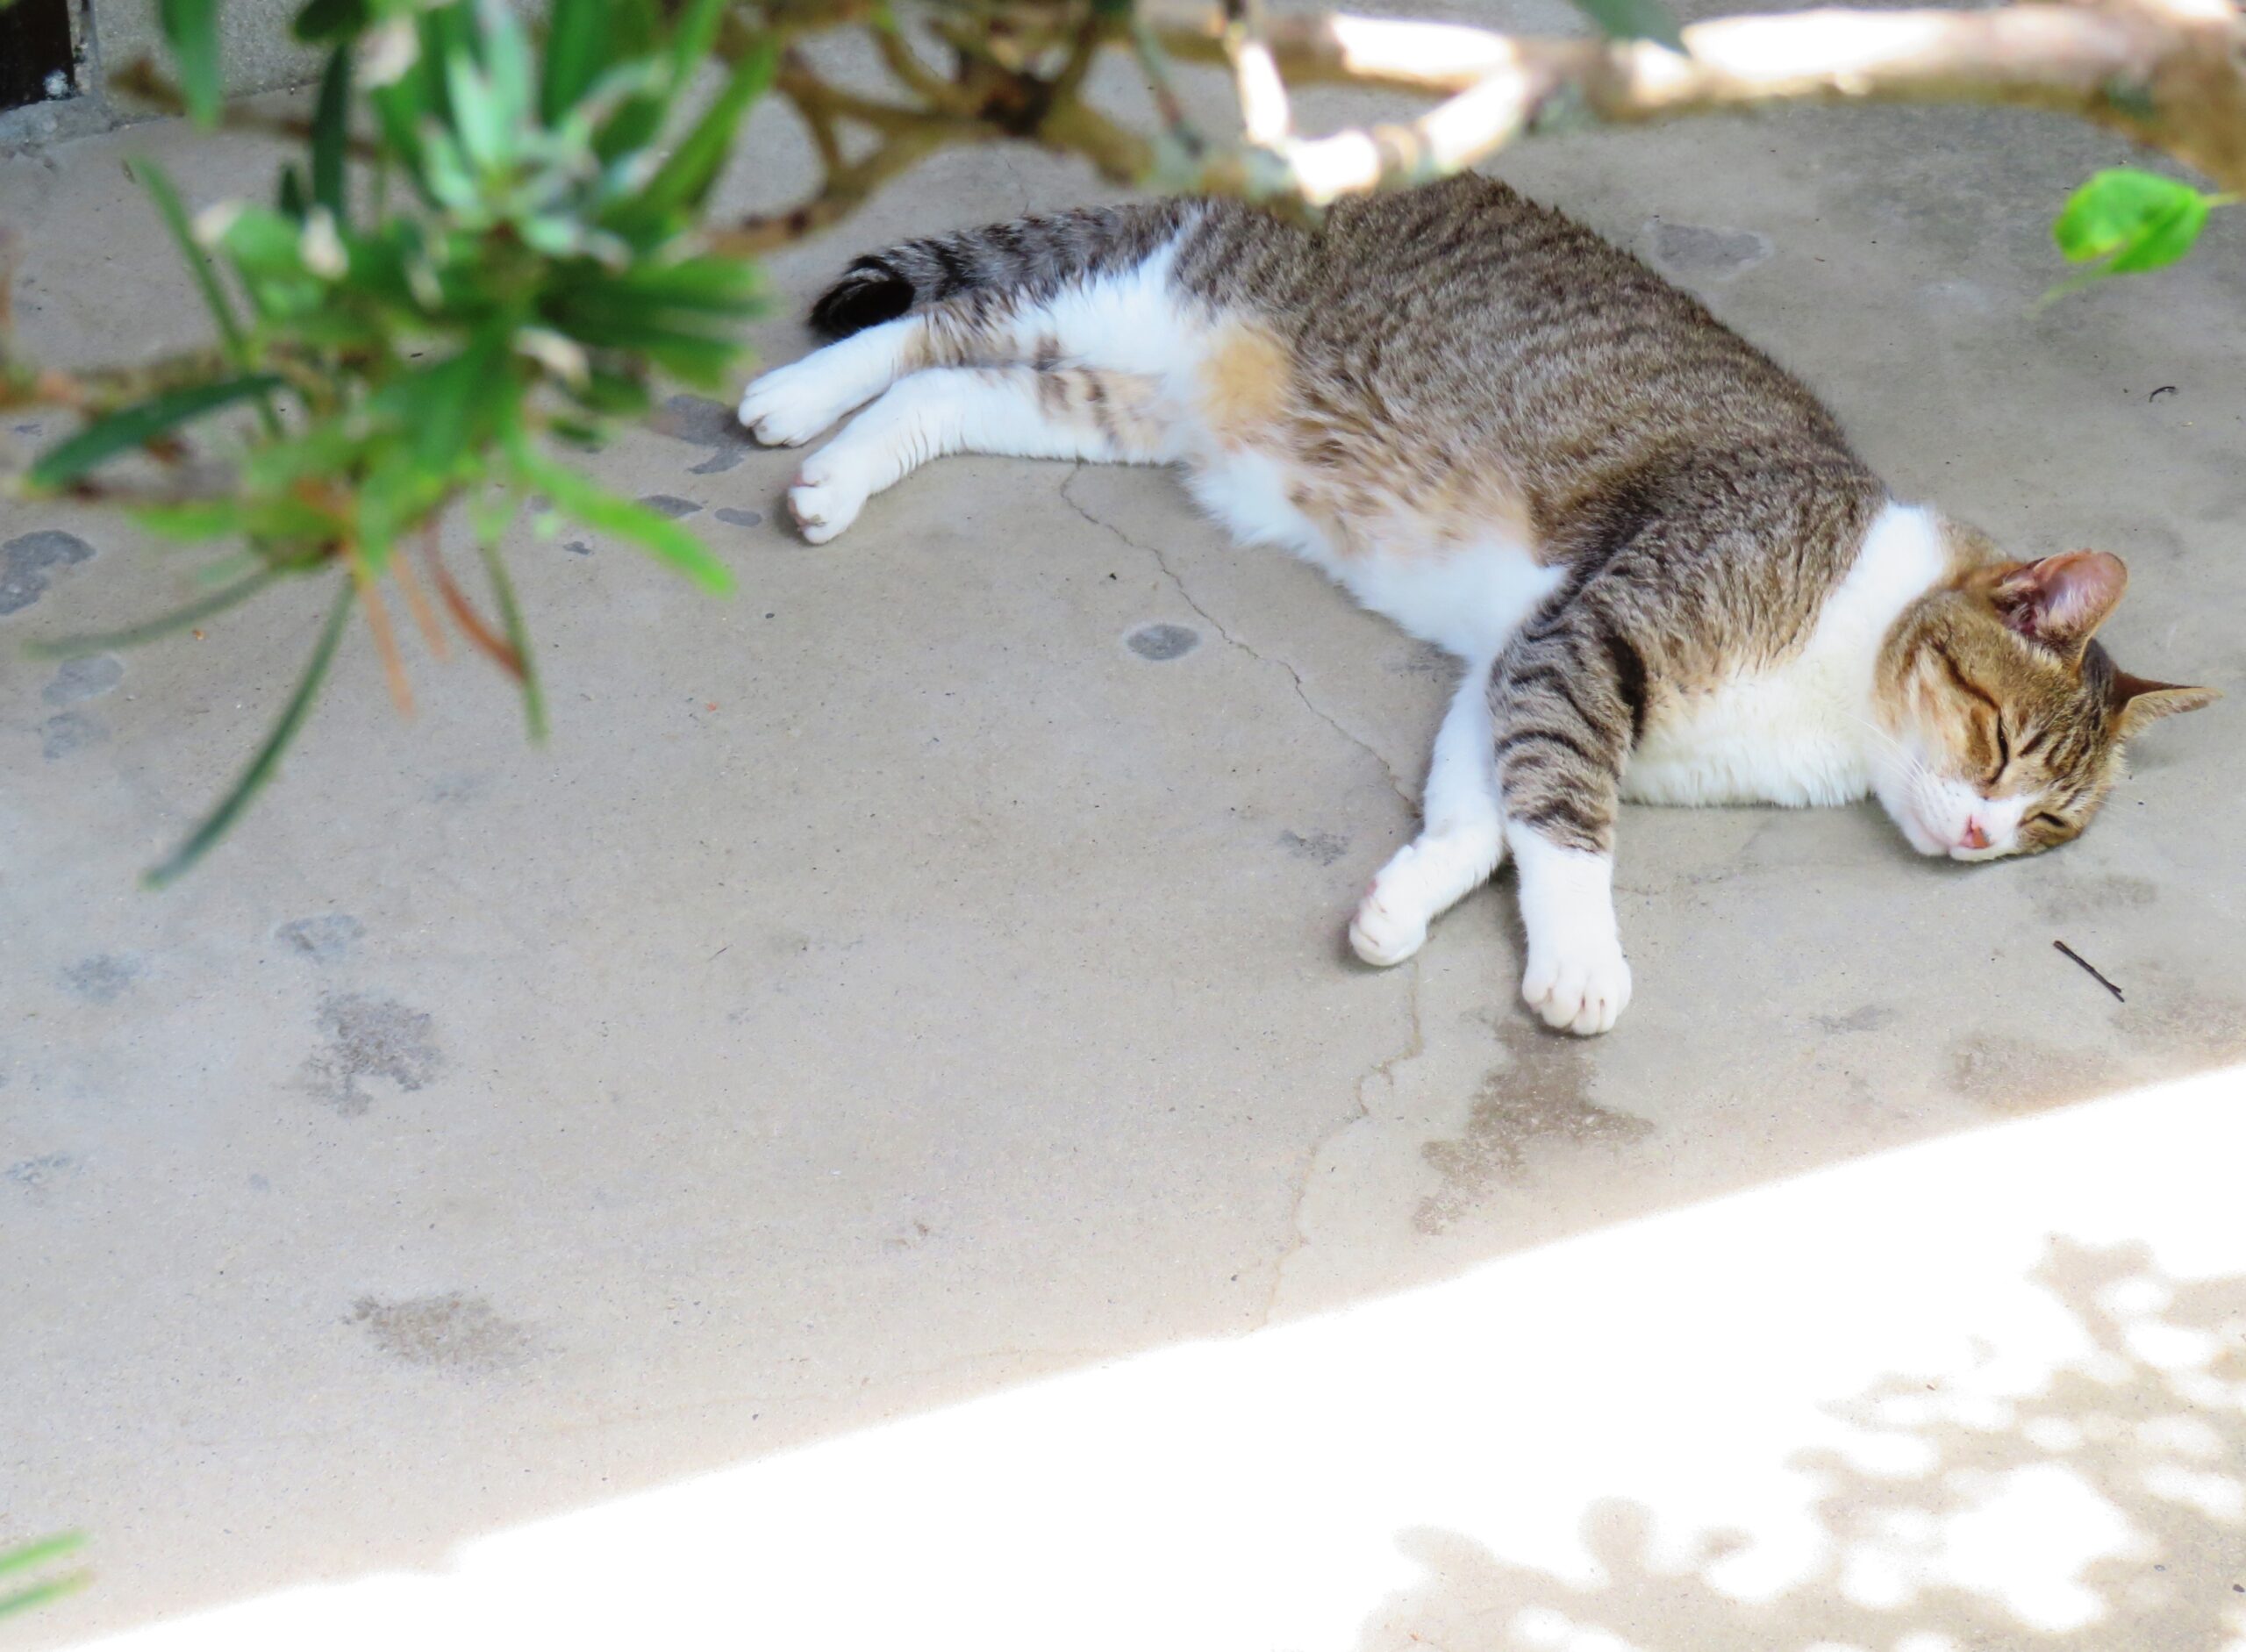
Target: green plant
<point>403,357</point>
<point>28,1558</point>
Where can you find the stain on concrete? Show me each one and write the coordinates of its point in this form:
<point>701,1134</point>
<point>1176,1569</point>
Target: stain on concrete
<point>1323,848</point>
<point>32,1178</point>
<point>1162,642</point>
<point>909,1237</point>
<point>2013,1075</point>
<point>326,938</point>
<point>101,978</point>
<point>579,547</point>
<point>670,504</point>
<point>740,519</point>
<point>83,679</point>
<point>2175,1017</point>
<point>1868,1017</point>
<point>1540,1099</point>
<point>68,732</point>
<point>458,788</point>
<point>1425,660</point>
<point>370,1037</point>
<point>2062,895</point>
<point>1703,252</point>
<point>700,422</point>
<point>29,560</point>
<point>452,1332</point>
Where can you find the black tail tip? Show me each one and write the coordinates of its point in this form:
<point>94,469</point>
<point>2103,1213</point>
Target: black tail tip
<point>870,292</point>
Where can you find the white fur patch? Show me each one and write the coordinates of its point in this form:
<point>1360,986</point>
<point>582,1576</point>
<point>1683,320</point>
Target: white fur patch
<point>1801,732</point>
<point>1576,978</point>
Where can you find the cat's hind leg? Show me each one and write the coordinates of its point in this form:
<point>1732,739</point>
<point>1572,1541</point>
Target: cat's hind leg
<point>1017,411</point>
<point>1461,834</point>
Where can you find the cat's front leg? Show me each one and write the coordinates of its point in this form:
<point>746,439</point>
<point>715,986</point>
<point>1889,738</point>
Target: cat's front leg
<point>1567,700</point>
<point>1576,978</point>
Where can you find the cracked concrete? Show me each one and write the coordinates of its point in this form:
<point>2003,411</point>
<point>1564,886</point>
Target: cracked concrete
<point>891,989</point>
<point>1409,797</point>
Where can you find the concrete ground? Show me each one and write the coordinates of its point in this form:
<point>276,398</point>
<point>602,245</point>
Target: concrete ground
<point>871,1138</point>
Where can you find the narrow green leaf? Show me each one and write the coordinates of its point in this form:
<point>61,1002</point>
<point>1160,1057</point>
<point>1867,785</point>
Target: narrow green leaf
<point>1634,20</point>
<point>40,1551</point>
<point>193,519</point>
<point>191,26</point>
<point>510,619</point>
<point>507,60</point>
<point>158,183</point>
<point>685,177</point>
<point>40,1594</point>
<point>149,631</point>
<point>331,135</point>
<point>134,426</point>
<point>697,32</point>
<point>261,767</point>
<point>290,197</point>
<point>577,51</point>
<point>323,21</point>
<point>477,113</point>
<point>597,508</point>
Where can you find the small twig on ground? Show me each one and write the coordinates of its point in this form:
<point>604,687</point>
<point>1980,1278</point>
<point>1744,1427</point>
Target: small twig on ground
<point>2094,976</point>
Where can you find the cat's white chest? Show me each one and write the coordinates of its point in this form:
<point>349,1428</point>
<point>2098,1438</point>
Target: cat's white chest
<point>1800,733</point>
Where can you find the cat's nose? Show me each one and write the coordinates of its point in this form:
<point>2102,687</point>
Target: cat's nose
<point>1976,838</point>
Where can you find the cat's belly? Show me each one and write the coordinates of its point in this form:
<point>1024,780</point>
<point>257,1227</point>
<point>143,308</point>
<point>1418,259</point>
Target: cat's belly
<point>1466,598</point>
<point>1786,736</point>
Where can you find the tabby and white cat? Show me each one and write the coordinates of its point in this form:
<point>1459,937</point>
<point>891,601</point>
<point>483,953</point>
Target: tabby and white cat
<point>1667,576</point>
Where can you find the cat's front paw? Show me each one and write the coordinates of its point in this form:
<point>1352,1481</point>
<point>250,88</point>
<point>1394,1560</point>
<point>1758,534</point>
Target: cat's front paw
<point>1580,984</point>
<point>1388,927</point>
<point>827,496</point>
<point>788,406</point>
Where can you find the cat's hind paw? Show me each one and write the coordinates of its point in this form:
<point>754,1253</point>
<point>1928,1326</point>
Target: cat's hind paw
<point>788,406</point>
<point>1581,985</point>
<point>827,496</point>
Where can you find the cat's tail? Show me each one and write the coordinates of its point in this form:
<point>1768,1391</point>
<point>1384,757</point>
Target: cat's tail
<point>1034,256</point>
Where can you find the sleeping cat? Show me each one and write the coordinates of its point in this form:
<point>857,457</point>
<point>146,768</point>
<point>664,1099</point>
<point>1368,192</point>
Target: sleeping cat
<point>1669,577</point>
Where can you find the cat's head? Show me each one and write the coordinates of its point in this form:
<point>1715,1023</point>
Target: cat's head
<point>2005,721</point>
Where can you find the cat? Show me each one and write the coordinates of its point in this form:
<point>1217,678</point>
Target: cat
<point>1667,576</point>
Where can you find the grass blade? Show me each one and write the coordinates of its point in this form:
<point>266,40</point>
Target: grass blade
<point>192,28</point>
<point>24,1556</point>
<point>158,183</point>
<point>40,1594</point>
<point>149,630</point>
<point>576,49</point>
<point>330,136</point>
<point>138,425</point>
<point>597,508</point>
<point>511,617</point>
<point>685,178</point>
<point>261,767</point>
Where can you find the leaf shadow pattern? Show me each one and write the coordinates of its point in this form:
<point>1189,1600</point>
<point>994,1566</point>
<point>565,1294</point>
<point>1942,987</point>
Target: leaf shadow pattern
<point>2143,1433</point>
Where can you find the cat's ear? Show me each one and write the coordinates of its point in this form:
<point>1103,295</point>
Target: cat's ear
<point>2061,601</point>
<point>2138,701</point>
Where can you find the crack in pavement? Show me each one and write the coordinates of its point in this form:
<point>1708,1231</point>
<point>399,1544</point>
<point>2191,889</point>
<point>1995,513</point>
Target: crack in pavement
<point>1395,781</point>
<point>1384,1069</point>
